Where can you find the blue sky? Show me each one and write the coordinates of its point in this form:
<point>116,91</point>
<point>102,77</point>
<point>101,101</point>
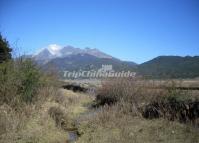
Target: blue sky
<point>135,30</point>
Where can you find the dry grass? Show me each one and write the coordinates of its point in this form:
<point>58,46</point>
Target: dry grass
<point>76,103</point>
<point>113,125</point>
<point>136,130</point>
<point>46,121</point>
<point>33,124</point>
<point>120,120</point>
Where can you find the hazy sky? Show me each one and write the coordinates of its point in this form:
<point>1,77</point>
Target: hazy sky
<point>135,30</point>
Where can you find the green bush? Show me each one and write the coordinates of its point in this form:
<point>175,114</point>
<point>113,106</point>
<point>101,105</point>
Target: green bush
<point>19,82</point>
<point>8,83</point>
<point>30,80</point>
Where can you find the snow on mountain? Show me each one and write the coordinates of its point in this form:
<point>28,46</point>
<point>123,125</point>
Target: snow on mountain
<point>55,51</point>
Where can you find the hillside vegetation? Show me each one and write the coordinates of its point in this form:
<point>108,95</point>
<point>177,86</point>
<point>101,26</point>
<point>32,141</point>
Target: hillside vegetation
<point>170,67</point>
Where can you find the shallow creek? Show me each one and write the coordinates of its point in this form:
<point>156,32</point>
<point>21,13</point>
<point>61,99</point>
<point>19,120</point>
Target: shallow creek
<point>73,134</point>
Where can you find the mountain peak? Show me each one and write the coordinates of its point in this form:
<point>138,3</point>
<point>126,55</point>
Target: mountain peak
<point>55,51</point>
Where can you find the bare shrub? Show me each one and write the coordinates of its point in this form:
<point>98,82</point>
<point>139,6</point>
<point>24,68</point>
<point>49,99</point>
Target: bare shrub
<point>113,91</point>
<point>174,104</point>
<point>132,91</point>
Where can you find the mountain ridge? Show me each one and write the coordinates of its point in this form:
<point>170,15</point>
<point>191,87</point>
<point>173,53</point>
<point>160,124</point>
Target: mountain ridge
<point>55,51</point>
<point>88,62</point>
<point>71,58</point>
<point>171,67</point>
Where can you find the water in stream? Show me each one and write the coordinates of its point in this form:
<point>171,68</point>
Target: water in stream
<point>73,136</point>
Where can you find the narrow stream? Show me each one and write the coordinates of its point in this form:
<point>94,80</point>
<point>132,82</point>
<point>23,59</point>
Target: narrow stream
<point>73,136</point>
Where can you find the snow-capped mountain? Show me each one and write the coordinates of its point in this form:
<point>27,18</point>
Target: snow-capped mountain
<point>69,58</point>
<point>55,51</point>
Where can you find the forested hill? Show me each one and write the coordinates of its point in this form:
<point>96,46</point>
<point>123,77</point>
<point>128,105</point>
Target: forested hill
<point>171,67</point>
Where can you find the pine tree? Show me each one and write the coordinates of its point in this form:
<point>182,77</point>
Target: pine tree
<point>5,50</point>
